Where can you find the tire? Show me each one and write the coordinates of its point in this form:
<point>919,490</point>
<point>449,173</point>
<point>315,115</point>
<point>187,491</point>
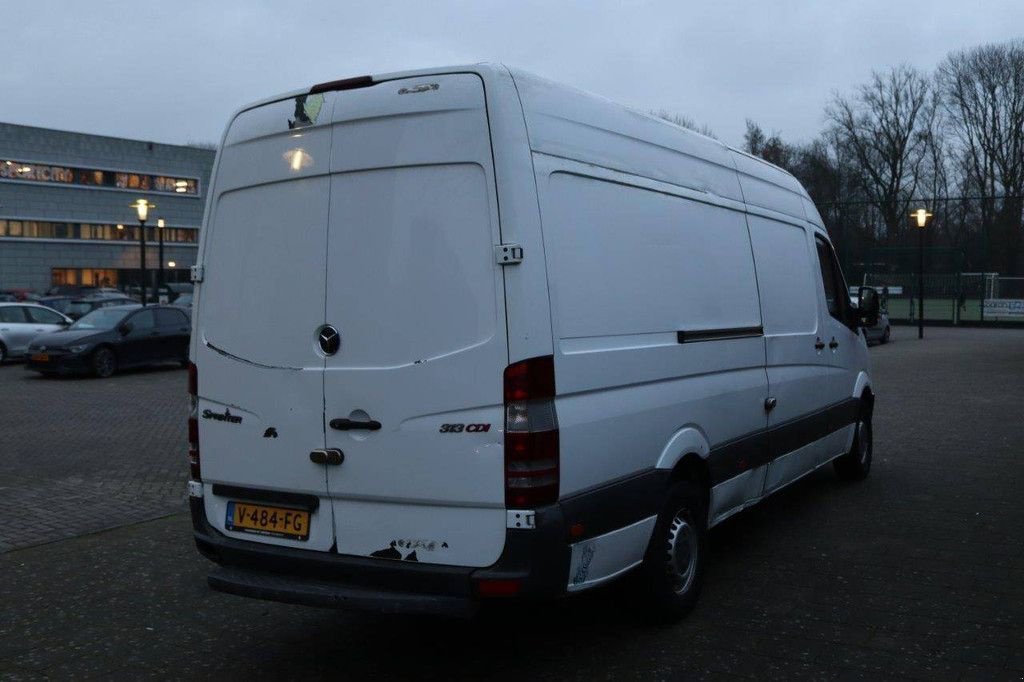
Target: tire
<point>3,353</point>
<point>855,465</point>
<point>885,335</point>
<point>104,362</point>
<point>673,570</point>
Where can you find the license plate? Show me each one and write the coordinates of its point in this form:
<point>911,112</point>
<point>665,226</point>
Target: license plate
<point>40,357</point>
<point>277,522</point>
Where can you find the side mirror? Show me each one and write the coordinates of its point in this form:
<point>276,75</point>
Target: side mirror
<point>125,328</point>
<point>867,306</point>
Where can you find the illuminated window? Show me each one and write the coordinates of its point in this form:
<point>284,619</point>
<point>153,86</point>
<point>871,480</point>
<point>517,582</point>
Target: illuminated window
<point>21,171</point>
<point>42,229</point>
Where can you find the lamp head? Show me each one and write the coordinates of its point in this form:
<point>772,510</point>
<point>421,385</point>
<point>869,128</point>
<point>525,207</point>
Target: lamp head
<point>142,207</point>
<point>921,215</point>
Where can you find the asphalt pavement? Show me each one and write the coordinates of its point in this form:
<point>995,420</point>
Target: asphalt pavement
<point>917,572</point>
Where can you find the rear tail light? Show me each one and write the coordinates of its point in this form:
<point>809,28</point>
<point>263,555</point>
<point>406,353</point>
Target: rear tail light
<point>531,434</point>
<point>498,587</point>
<point>193,423</point>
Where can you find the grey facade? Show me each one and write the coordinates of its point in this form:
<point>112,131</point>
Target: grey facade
<point>50,225</point>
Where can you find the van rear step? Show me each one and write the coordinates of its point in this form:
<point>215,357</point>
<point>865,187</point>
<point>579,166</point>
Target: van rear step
<point>314,592</point>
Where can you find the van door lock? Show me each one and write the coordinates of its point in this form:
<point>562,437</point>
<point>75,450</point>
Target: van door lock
<point>331,456</point>
<point>508,254</point>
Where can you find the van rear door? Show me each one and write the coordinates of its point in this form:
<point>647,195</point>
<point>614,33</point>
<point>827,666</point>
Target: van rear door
<point>413,395</point>
<point>260,373</point>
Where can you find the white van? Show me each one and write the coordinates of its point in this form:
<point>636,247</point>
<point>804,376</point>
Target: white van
<point>464,334</point>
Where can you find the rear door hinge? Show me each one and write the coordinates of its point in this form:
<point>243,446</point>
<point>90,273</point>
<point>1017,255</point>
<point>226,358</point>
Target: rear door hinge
<point>196,273</point>
<point>520,518</point>
<point>508,254</point>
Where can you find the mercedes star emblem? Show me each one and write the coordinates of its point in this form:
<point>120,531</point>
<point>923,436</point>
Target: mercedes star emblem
<point>329,339</point>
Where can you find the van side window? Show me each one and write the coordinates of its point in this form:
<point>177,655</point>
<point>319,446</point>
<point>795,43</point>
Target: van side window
<point>786,274</point>
<point>831,278</point>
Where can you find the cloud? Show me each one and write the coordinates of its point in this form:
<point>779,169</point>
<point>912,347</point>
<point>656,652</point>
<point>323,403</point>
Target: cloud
<point>175,71</point>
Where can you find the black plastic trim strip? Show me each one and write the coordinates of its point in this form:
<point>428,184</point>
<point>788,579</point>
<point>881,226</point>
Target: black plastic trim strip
<point>299,500</point>
<point>617,504</point>
<point>696,335</point>
<point>342,84</point>
<point>749,452</point>
<point>627,500</point>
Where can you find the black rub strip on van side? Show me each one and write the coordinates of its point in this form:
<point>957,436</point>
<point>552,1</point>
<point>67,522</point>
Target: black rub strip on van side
<point>749,452</point>
<point>630,499</point>
<point>693,336</point>
<point>617,504</point>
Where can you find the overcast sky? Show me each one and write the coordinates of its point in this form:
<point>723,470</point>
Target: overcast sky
<point>174,70</point>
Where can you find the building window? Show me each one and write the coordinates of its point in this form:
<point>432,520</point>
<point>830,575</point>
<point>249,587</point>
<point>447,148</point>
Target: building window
<point>88,277</point>
<point>23,171</point>
<point>43,229</point>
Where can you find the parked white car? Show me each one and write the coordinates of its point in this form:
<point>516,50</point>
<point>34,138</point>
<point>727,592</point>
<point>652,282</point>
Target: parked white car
<point>22,322</point>
<point>464,334</point>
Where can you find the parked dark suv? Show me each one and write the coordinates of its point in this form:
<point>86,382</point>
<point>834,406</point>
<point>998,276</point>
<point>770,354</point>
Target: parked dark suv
<point>113,338</point>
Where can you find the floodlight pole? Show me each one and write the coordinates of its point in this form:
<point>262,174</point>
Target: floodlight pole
<point>921,217</point>
<point>142,256</point>
<point>142,207</point>
<point>160,235</point>
<point>920,282</point>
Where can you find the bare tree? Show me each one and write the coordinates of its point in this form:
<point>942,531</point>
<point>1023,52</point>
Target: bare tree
<point>685,122</point>
<point>887,126</point>
<point>983,94</point>
<point>771,148</point>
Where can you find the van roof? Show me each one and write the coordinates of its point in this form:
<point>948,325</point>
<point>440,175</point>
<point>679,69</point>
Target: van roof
<point>571,123</point>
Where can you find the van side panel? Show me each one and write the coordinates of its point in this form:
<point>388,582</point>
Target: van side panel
<point>572,124</point>
<point>629,269</point>
<point>797,370</point>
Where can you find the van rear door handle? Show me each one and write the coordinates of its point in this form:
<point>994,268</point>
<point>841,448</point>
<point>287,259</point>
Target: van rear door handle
<point>819,344</point>
<point>833,344</point>
<point>349,425</point>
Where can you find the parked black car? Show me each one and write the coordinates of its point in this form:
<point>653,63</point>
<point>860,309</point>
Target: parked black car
<point>83,306</point>
<point>113,338</point>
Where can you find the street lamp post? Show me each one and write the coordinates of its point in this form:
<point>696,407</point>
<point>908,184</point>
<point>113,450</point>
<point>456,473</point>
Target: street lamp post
<point>160,237</point>
<point>142,207</point>
<point>921,216</point>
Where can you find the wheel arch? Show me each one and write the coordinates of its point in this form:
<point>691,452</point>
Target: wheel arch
<point>685,456</point>
<point>863,391</point>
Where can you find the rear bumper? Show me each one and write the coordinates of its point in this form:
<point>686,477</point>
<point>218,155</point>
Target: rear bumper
<point>537,558</point>
<point>325,593</point>
<point>61,364</point>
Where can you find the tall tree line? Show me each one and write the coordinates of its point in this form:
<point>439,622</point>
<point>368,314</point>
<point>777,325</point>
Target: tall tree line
<point>952,140</point>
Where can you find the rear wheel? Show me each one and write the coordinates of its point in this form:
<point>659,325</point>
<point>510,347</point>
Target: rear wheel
<point>3,353</point>
<point>104,362</point>
<point>673,570</point>
<point>855,465</point>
